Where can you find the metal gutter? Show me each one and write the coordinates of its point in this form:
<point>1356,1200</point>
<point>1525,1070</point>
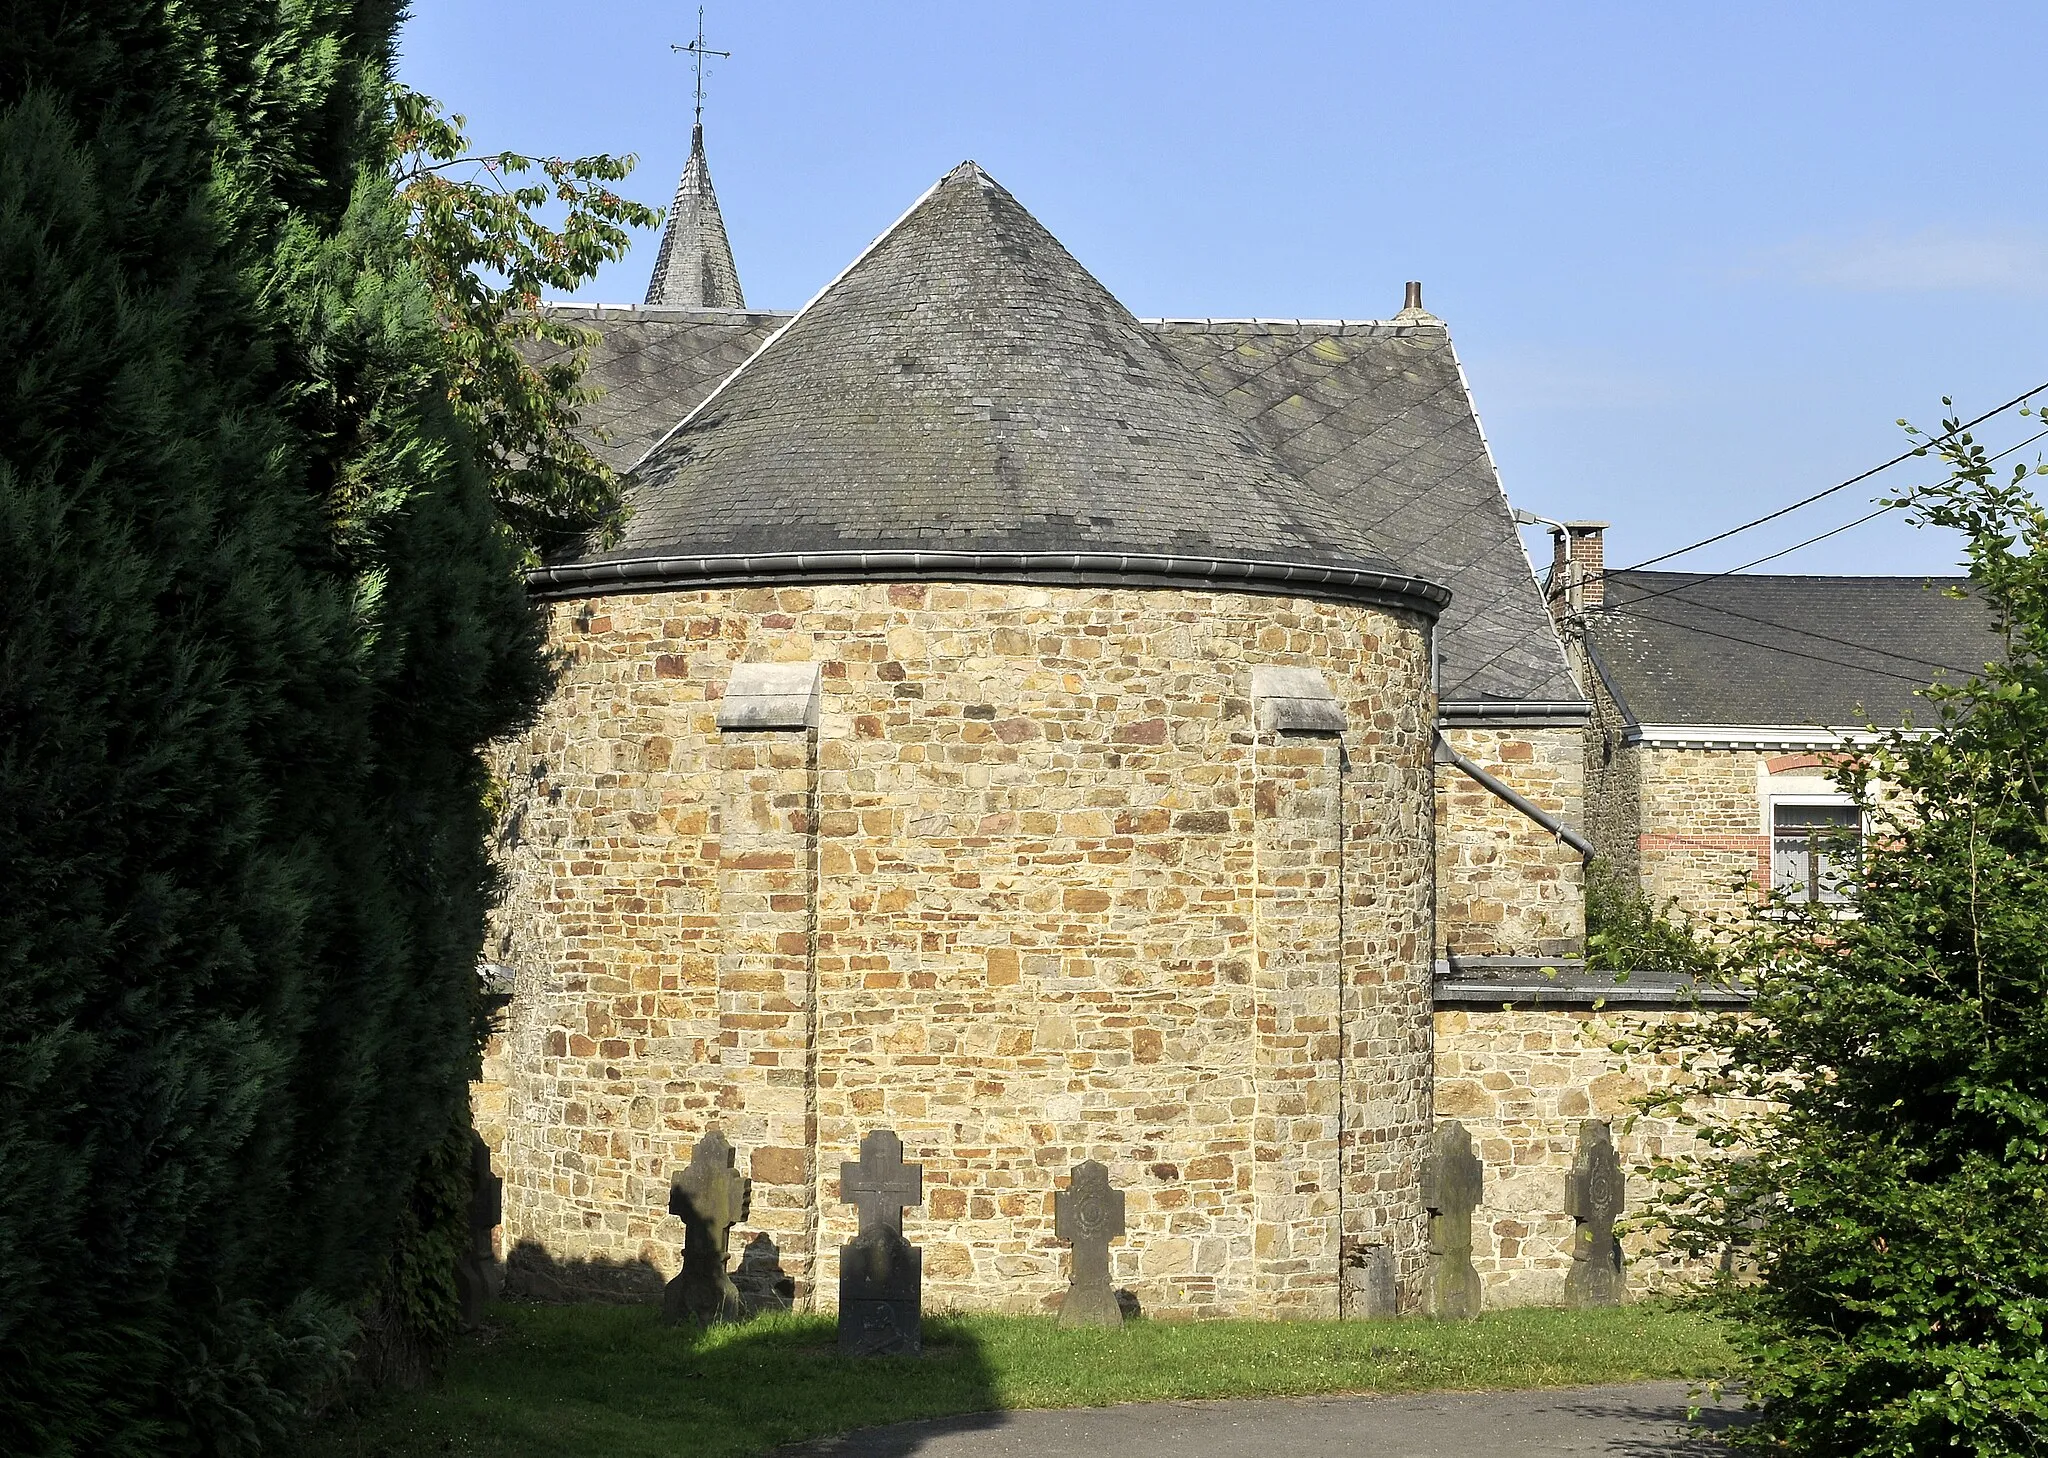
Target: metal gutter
<point>1107,569</point>
<point>1447,755</point>
<point>1514,713</point>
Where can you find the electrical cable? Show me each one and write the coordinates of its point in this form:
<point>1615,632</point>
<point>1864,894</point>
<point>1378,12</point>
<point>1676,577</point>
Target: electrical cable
<point>1918,450</point>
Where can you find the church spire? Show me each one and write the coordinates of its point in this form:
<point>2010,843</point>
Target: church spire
<point>694,269</point>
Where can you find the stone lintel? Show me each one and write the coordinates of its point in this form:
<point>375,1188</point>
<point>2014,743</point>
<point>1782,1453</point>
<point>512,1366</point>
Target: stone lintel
<point>770,696</point>
<point>1295,701</point>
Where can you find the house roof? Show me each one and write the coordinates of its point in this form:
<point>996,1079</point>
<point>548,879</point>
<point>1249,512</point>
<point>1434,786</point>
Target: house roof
<point>1767,650</point>
<point>694,269</point>
<point>968,395</point>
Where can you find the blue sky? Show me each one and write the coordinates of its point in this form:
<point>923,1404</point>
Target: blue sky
<point>1696,258</point>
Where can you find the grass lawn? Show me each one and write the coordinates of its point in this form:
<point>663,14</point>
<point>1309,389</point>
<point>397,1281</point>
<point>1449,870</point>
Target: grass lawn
<point>612,1381</point>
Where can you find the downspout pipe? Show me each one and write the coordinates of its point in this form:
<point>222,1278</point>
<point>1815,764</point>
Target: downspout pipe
<point>1447,755</point>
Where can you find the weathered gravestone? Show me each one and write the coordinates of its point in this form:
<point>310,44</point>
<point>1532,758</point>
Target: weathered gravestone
<point>1593,1198</point>
<point>710,1197</point>
<point>474,1273</point>
<point>881,1275</point>
<point>1452,1182</point>
<point>1369,1288</point>
<point>1088,1215</point>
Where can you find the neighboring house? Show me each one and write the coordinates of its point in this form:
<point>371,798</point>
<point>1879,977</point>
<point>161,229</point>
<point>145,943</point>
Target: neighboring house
<point>1720,702</point>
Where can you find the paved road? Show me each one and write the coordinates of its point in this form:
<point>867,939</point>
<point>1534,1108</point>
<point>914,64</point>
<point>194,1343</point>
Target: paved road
<point>1642,1420</point>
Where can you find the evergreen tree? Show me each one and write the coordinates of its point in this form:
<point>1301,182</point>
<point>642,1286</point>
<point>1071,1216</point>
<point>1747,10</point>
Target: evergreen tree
<point>258,616</point>
<point>1882,1169</point>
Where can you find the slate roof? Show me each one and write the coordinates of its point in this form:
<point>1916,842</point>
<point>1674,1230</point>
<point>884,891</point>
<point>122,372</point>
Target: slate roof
<point>1767,650</point>
<point>1378,418</point>
<point>652,366</point>
<point>694,269</point>
<point>966,388</point>
<point>1375,418</point>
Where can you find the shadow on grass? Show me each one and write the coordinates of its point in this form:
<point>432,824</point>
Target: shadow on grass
<point>542,1380</point>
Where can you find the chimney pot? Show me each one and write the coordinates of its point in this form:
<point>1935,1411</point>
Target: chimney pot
<point>1414,298</point>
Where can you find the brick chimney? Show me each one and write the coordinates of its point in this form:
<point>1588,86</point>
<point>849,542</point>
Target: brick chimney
<point>1576,568</point>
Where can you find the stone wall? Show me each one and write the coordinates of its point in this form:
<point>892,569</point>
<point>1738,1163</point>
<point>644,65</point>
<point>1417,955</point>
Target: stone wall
<point>1702,842</point>
<point>1506,886</point>
<point>1521,1081</point>
<point>1614,791</point>
<point>1034,889</point>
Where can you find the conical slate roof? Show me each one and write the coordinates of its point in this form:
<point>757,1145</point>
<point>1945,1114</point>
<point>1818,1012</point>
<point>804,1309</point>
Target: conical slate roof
<point>694,269</point>
<point>967,400</point>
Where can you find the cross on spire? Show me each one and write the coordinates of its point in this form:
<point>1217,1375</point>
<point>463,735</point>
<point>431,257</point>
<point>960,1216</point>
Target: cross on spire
<point>697,51</point>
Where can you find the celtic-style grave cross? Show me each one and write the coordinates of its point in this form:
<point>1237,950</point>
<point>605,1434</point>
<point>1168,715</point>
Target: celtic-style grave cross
<point>709,1197</point>
<point>1088,1215</point>
<point>881,1275</point>
<point>1594,1198</point>
<point>1453,1180</point>
<point>881,1184</point>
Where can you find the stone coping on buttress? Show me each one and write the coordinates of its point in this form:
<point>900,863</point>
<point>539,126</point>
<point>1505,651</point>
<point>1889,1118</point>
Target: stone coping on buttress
<point>1066,569</point>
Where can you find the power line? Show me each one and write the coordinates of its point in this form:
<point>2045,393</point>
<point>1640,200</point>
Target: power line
<point>1905,501</point>
<point>1917,450</point>
<point>1912,678</point>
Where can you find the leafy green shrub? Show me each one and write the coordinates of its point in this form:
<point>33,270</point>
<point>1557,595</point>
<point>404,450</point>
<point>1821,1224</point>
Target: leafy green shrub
<point>1626,933</point>
<point>1889,1176</point>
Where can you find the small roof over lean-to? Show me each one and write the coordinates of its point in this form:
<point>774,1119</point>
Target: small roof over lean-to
<point>967,400</point>
<point>1774,651</point>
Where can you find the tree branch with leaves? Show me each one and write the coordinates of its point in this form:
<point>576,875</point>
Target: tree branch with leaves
<point>482,240</point>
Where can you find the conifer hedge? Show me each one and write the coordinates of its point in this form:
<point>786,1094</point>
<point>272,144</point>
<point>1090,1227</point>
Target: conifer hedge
<point>257,619</point>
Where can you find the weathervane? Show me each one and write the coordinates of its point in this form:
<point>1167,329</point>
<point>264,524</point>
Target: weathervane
<point>697,50</point>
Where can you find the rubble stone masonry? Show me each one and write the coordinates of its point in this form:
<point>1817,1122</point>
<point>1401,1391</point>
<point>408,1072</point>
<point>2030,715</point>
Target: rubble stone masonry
<point>1506,886</point>
<point>1032,889</point>
<point>1521,1080</point>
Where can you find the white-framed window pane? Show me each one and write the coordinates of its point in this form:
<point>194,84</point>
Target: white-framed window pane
<point>1814,849</point>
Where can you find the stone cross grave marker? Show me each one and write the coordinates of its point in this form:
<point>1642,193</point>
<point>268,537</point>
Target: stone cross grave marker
<point>474,1275</point>
<point>1088,1215</point>
<point>881,1275</point>
<point>710,1197</point>
<point>1594,1196</point>
<point>1453,1180</point>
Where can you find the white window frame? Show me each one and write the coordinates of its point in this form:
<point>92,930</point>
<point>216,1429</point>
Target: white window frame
<point>1793,791</point>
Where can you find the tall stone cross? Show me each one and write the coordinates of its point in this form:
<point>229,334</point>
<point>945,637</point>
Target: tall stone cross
<point>710,1197</point>
<point>1088,1215</point>
<point>1594,1198</point>
<point>1453,1181</point>
<point>881,1275</point>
